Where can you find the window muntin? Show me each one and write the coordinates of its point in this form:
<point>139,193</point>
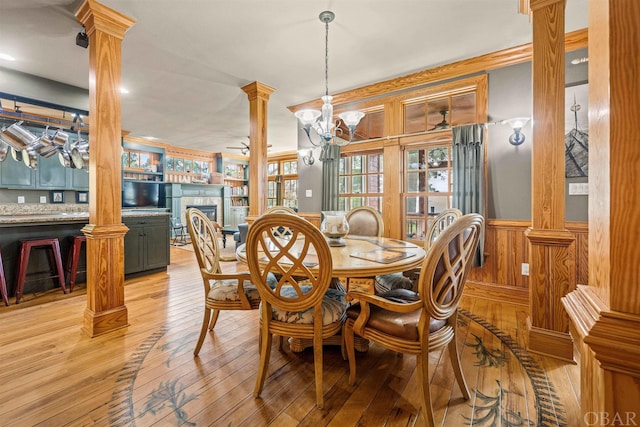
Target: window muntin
<point>361,181</point>
<point>427,186</point>
<point>282,188</point>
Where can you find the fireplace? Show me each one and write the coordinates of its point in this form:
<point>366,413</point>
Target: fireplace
<point>211,211</point>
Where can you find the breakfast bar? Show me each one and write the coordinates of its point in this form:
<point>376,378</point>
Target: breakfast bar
<point>146,244</point>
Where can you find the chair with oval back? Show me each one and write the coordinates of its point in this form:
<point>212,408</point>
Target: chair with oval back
<point>409,279</point>
<point>365,221</point>
<point>439,223</point>
<point>300,305</point>
<point>283,232</point>
<point>416,323</point>
<point>221,291</point>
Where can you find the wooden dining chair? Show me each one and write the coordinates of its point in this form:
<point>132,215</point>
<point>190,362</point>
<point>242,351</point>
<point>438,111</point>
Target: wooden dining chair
<point>439,223</point>
<point>409,279</point>
<point>279,209</point>
<point>300,305</point>
<point>365,221</point>
<point>282,231</point>
<point>416,323</point>
<point>232,291</point>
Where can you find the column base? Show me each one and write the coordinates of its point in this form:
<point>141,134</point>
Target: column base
<point>558,345</point>
<point>106,321</point>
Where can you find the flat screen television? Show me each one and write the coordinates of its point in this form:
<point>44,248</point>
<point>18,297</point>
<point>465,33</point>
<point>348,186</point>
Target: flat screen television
<point>136,194</point>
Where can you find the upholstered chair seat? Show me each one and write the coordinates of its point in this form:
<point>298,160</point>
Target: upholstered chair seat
<point>333,308</point>
<point>227,290</point>
<point>403,325</point>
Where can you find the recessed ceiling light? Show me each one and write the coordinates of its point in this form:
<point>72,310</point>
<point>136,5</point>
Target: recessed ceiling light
<point>7,57</point>
<point>124,90</point>
<point>579,61</point>
<point>150,138</point>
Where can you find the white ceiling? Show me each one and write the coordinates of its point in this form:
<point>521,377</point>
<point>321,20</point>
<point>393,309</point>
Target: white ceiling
<point>184,61</point>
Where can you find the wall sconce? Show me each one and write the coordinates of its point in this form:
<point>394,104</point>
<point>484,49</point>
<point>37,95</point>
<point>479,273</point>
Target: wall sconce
<point>517,123</point>
<point>307,159</point>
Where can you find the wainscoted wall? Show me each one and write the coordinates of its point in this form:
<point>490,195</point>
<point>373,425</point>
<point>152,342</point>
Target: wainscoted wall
<point>506,248</point>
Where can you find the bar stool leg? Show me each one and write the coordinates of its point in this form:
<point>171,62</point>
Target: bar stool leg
<point>72,261</point>
<point>3,283</point>
<point>23,261</point>
<point>58,257</point>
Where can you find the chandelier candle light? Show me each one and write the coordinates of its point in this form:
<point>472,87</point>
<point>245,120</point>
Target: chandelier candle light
<point>322,121</point>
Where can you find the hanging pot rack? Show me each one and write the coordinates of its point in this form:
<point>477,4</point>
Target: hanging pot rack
<point>29,145</point>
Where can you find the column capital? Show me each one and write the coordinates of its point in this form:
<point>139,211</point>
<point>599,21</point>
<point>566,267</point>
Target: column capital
<point>257,90</point>
<point>535,5</point>
<point>96,16</point>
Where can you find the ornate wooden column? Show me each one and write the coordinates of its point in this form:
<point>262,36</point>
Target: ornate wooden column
<point>606,314</point>
<point>551,246</point>
<point>105,232</point>
<point>258,94</point>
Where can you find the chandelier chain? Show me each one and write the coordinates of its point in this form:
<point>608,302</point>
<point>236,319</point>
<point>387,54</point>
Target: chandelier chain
<point>326,58</point>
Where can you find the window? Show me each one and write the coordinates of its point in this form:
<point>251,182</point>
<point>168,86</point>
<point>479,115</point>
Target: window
<point>428,186</point>
<point>361,181</point>
<point>427,158</point>
<point>282,188</point>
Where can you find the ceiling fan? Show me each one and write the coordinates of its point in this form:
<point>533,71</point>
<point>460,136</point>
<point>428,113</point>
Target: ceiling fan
<point>244,148</point>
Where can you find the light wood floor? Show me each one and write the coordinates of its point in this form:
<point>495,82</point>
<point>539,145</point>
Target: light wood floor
<point>52,375</point>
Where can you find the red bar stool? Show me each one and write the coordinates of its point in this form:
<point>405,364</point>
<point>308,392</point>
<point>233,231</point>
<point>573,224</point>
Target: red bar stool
<point>3,283</point>
<point>72,259</point>
<point>23,262</point>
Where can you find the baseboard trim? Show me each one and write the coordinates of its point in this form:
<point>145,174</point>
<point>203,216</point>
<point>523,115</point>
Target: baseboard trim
<point>500,293</point>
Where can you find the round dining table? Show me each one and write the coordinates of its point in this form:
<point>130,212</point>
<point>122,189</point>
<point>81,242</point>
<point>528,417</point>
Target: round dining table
<point>359,261</point>
<point>364,256</point>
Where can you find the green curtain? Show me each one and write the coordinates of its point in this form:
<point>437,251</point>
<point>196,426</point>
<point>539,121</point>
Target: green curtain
<point>468,175</point>
<point>330,157</point>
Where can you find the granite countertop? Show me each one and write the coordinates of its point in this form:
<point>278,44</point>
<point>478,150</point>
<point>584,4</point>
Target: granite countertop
<point>74,216</point>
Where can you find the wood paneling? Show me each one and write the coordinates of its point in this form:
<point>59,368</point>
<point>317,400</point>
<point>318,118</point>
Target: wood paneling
<point>506,248</point>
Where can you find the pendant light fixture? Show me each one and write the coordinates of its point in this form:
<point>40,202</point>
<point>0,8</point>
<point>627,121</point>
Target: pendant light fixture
<point>321,121</point>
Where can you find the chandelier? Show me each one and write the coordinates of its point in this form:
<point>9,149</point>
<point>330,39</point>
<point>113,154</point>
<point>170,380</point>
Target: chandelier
<point>321,122</point>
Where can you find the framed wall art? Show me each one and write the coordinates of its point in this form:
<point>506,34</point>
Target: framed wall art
<point>56,196</point>
<point>576,135</point>
<point>82,197</point>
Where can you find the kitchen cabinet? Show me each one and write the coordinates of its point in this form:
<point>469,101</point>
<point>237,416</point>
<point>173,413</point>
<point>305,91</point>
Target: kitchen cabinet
<point>79,179</point>
<point>146,244</point>
<point>51,175</point>
<point>15,174</point>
